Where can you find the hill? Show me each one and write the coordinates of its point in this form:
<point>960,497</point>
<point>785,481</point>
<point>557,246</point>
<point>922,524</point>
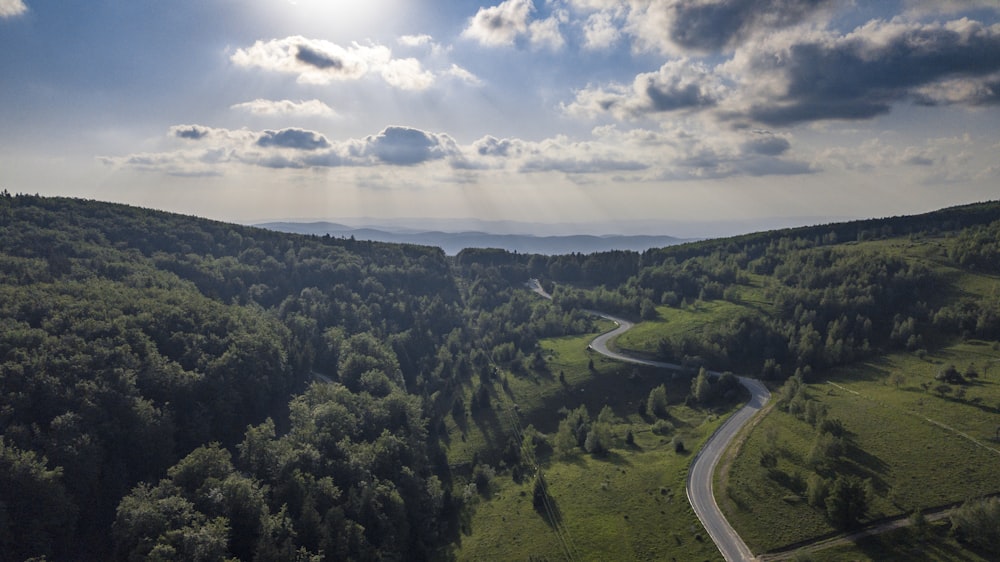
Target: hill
<point>178,388</point>
<point>454,242</point>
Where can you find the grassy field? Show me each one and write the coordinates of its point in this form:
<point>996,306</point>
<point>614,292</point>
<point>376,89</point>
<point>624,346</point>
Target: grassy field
<point>919,449</point>
<point>689,320</point>
<point>628,505</point>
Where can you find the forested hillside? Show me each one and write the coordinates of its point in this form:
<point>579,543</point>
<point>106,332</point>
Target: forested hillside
<point>175,388</point>
<point>133,339</point>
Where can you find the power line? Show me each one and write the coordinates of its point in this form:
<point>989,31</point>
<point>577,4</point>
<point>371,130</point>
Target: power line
<point>562,533</point>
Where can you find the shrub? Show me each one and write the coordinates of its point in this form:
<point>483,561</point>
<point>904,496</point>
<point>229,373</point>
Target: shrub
<point>482,477</point>
<point>662,427</point>
<point>656,404</point>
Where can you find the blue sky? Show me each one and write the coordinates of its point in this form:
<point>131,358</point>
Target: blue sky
<point>691,113</point>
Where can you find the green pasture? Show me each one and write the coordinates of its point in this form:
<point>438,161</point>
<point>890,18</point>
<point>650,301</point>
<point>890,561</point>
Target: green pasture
<point>689,320</point>
<point>919,448</point>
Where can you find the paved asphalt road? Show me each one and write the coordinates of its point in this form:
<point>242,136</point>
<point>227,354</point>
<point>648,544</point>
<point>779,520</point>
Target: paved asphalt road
<point>699,483</point>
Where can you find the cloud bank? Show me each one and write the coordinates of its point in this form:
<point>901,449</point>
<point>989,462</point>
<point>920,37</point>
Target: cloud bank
<point>635,155</point>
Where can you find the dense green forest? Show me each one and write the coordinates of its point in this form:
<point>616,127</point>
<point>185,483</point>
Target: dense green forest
<point>174,388</point>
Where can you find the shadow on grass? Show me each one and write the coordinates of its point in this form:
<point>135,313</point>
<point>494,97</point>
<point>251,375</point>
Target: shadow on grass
<point>875,369</point>
<point>489,426</point>
<point>792,482</point>
<point>869,461</point>
<point>613,458</point>
<point>549,511</point>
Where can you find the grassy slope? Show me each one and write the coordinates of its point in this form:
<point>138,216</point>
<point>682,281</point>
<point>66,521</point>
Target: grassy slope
<point>629,505</point>
<point>694,318</point>
<point>912,461</point>
<point>689,320</point>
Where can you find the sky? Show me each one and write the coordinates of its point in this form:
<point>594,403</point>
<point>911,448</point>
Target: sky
<point>688,117</point>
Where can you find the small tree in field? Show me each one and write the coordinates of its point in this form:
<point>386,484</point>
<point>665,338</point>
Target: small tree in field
<point>701,388</point>
<point>847,501</point>
<point>897,379</point>
<point>656,404</point>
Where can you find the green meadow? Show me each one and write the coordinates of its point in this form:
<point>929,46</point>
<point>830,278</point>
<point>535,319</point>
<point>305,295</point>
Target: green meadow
<point>627,505</point>
<point>919,448</point>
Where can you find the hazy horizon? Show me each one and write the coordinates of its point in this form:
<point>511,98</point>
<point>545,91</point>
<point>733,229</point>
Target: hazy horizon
<point>652,227</point>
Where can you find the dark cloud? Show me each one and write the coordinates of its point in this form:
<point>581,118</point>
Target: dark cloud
<point>861,75</point>
<point>293,138</point>
<point>190,132</point>
<point>320,60</point>
<point>403,146</point>
<point>679,85</point>
<point>766,144</point>
<point>674,96</point>
<point>919,161</point>
<point>714,25</point>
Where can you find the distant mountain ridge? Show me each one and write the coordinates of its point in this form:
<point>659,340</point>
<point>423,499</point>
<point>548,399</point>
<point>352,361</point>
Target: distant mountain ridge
<point>454,242</point>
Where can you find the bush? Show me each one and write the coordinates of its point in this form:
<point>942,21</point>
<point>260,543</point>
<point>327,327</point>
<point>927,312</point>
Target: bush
<point>662,427</point>
<point>769,460</point>
<point>482,477</point>
<point>817,489</point>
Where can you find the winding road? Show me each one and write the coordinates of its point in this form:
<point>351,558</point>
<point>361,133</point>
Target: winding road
<point>700,476</point>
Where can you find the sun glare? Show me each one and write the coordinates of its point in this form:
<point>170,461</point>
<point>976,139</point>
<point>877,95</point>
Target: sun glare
<point>343,20</point>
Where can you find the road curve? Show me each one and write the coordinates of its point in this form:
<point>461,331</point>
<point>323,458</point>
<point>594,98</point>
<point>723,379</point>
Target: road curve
<point>700,476</point>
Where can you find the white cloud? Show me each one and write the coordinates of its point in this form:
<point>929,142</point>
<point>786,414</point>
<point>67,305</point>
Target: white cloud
<point>307,108</point>
<point>545,33</point>
<point>406,74</point>
<point>500,25</point>
<point>598,5</point>
<point>317,61</point>
<point>415,40</point>
<point>12,8</point>
<point>464,75</point>
<point>600,31</point>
